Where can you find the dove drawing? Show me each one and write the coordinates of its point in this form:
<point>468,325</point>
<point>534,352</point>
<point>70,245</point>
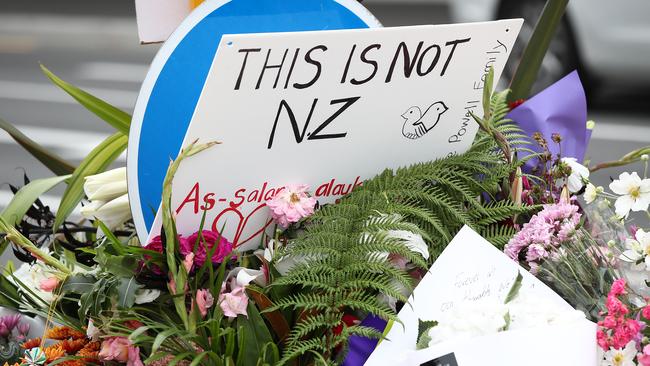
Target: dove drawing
<point>418,123</point>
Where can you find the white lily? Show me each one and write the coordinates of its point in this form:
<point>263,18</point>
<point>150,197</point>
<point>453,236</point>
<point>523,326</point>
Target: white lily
<point>634,193</point>
<point>106,186</point>
<point>109,201</point>
<point>244,276</point>
<point>579,174</point>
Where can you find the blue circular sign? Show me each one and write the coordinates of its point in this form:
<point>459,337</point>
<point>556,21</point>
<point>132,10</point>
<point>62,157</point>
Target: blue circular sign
<point>175,80</point>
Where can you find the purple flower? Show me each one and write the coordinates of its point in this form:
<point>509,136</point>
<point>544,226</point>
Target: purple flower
<point>10,321</point>
<point>544,233</point>
<point>23,328</point>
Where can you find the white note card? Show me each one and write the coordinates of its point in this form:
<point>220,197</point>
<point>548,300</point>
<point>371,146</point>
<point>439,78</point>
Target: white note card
<point>471,269</point>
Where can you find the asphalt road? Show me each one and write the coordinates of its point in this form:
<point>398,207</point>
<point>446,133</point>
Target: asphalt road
<point>94,44</point>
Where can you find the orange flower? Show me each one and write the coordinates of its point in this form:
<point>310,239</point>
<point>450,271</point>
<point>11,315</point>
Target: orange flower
<point>74,345</point>
<point>72,363</point>
<point>90,352</point>
<point>34,342</point>
<point>54,352</point>
<point>15,364</point>
<point>61,333</point>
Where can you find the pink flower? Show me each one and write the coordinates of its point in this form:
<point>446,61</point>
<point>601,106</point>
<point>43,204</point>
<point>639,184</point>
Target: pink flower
<point>646,312</point>
<point>23,328</point>
<point>49,284</point>
<point>618,287</point>
<point>207,241</point>
<point>615,306</point>
<point>601,339</point>
<point>627,331</point>
<point>644,358</point>
<point>120,349</point>
<point>204,301</point>
<point>234,302</point>
<point>188,262</point>
<point>291,204</point>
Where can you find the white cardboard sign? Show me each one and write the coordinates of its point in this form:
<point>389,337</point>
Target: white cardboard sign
<point>470,269</point>
<point>329,109</point>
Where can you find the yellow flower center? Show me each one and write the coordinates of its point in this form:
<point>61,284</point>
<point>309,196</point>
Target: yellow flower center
<point>294,198</point>
<point>635,192</point>
<point>618,359</point>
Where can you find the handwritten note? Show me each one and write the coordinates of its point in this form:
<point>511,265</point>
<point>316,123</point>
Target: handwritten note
<point>329,109</point>
<point>470,269</point>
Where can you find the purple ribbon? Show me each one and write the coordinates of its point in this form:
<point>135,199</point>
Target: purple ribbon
<point>361,347</point>
<point>560,108</point>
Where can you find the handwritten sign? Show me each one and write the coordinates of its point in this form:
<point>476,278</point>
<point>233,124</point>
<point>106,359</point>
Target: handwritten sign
<point>329,109</point>
<point>485,273</point>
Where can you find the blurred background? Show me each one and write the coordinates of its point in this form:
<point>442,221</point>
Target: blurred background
<point>94,44</point>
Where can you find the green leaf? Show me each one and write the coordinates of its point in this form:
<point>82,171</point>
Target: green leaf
<point>126,292</point>
<point>116,265</point>
<point>487,94</point>
<point>254,334</point>
<point>9,296</point>
<point>115,117</point>
<point>79,284</point>
<point>96,162</point>
<point>423,331</point>
<point>52,161</point>
<point>531,60</point>
<point>26,197</point>
<point>514,290</point>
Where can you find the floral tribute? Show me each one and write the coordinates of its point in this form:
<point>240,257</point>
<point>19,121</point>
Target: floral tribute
<point>322,282</point>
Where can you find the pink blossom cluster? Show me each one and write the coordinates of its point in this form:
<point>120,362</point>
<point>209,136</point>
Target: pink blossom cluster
<point>543,234</point>
<point>621,326</point>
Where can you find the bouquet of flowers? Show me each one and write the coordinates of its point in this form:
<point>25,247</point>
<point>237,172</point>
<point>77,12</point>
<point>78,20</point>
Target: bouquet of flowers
<point>324,278</point>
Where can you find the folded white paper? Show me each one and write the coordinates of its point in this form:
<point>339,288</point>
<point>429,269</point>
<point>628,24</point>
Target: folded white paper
<point>470,270</point>
<point>157,19</point>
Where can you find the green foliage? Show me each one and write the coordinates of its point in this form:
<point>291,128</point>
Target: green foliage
<point>115,117</point>
<point>52,161</point>
<point>96,162</point>
<point>26,196</point>
<point>531,60</point>
<point>339,267</point>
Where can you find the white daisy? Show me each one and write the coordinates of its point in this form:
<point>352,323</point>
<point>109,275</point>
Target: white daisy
<point>633,191</point>
<point>621,357</point>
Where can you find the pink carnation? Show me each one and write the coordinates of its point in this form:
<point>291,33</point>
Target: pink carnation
<point>291,204</point>
<point>206,244</point>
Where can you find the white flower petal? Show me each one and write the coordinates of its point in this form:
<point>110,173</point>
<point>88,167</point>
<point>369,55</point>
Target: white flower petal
<point>623,205</point>
<point>145,296</point>
<point>630,256</point>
